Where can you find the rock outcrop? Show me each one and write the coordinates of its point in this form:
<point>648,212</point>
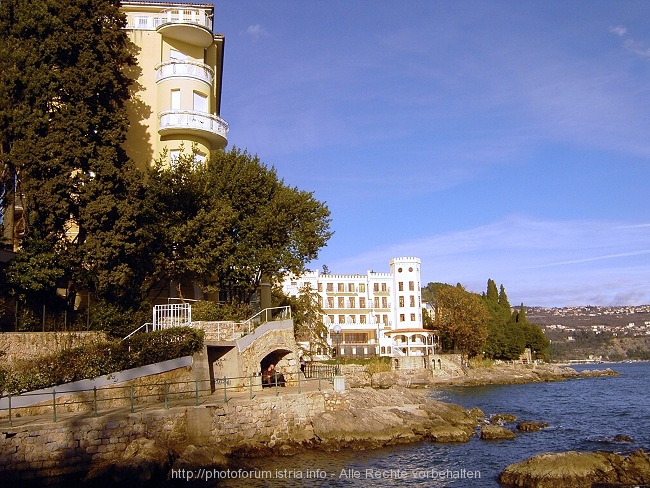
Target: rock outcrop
<point>579,470</point>
<point>496,375</point>
<point>378,418</point>
<point>144,460</point>
<point>492,432</point>
<point>530,426</point>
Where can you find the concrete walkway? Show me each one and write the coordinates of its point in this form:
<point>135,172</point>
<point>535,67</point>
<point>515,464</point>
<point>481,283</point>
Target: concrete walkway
<point>217,398</point>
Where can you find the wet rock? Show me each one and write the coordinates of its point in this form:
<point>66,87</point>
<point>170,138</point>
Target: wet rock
<point>492,432</point>
<point>530,426</point>
<point>375,418</point>
<point>502,418</point>
<point>623,438</point>
<point>578,470</point>
<point>194,457</point>
<point>142,461</point>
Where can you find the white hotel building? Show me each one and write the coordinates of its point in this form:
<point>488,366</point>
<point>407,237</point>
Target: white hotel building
<point>379,313</point>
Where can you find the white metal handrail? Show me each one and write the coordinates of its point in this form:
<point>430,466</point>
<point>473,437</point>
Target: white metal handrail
<point>190,119</point>
<point>184,68</point>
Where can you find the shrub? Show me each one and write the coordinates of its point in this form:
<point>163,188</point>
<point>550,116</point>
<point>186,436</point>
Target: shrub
<point>101,358</point>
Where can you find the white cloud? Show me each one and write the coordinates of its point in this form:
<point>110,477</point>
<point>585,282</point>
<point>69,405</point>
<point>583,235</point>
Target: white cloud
<point>550,263</point>
<point>619,30</point>
<point>256,31</point>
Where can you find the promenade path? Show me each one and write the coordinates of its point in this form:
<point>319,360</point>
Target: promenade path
<point>218,398</point>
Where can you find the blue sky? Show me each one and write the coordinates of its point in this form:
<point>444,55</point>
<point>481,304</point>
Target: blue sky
<point>506,140</point>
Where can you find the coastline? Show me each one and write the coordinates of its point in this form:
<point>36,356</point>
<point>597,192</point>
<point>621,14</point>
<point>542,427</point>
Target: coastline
<point>154,445</point>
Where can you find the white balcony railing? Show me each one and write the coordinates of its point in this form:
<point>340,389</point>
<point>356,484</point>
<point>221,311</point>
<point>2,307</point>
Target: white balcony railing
<point>184,69</point>
<point>145,21</point>
<point>212,126</point>
<point>185,16</point>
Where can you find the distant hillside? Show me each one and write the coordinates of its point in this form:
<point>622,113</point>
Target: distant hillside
<point>589,315</point>
<point>613,333</point>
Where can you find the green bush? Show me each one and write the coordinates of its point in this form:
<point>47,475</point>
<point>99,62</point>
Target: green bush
<point>214,312</point>
<point>101,358</point>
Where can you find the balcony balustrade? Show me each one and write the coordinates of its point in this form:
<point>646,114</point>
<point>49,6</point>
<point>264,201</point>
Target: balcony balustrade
<point>208,126</point>
<point>188,25</point>
<point>184,69</point>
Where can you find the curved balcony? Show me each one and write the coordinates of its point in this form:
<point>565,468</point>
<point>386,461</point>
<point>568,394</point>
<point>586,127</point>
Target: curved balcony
<point>201,124</point>
<point>188,25</point>
<point>184,69</point>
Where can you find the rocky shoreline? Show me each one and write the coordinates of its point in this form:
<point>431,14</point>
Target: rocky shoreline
<point>389,413</point>
<point>457,376</point>
<point>395,410</point>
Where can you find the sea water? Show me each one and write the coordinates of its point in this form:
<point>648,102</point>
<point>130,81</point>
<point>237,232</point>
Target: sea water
<point>583,414</point>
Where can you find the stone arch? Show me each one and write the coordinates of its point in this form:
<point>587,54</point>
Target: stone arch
<point>274,357</point>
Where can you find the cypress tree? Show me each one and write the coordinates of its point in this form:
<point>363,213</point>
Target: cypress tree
<point>492,293</point>
<point>63,122</point>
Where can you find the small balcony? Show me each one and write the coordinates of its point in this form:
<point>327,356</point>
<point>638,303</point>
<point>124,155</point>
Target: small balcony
<point>184,69</point>
<point>188,25</point>
<point>202,124</point>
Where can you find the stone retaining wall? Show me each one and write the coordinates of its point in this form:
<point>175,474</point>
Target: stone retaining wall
<point>147,389</point>
<point>18,346</point>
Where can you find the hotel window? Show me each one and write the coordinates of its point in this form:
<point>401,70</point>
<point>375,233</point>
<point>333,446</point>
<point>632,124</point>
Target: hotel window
<point>401,301</point>
<point>376,286</point>
<point>362,287</point>
<point>177,55</point>
<point>200,102</point>
<point>362,319</point>
<point>401,317</point>
<point>142,22</point>
<point>356,337</point>
<point>411,285</point>
<point>341,286</point>
<point>377,319</point>
<point>330,287</point>
<point>341,302</point>
<point>330,302</point>
<point>385,319</point>
<point>320,302</point>
<point>199,158</point>
<point>412,301</point>
<point>351,287</point>
<point>341,319</point>
<point>400,286</point>
<point>383,287</point>
<point>320,287</point>
<point>174,154</point>
<point>176,99</point>
<point>362,302</point>
<point>384,302</point>
<point>331,317</point>
<point>352,300</point>
<point>353,319</point>
<point>376,302</point>
<point>412,317</point>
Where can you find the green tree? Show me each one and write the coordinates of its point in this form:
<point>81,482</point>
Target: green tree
<point>63,120</point>
<point>225,223</point>
<point>463,316</point>
<point>308,319</point>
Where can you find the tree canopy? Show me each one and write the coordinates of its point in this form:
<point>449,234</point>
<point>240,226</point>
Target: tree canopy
<point>510,333</point>
<point>462,316</point>
<point>226,222</point>
<point>63,119</point>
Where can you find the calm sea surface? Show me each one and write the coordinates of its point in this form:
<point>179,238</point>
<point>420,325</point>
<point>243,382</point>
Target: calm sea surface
<point>583,414</point>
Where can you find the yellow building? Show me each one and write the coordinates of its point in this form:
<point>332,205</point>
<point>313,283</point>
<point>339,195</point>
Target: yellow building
<point>177,83</point>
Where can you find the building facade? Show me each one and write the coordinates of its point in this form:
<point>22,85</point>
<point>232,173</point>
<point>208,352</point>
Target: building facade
<point>379,314</point>
<point>176,102</point>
